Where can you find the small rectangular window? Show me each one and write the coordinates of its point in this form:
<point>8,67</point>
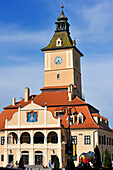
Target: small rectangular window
<point>112,156</point>
<point>112,142</point>
<point>102,140</point>
<point>107,140</point>
<point>74,140</point>
<point>2,157</point>
<point>87,140</point>
<point>2,140</point>
<point>63,138</point>
<point>99,139</point>
<point>59,113</point>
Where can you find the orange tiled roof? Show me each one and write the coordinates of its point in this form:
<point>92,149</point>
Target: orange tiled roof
<point>56,101</point>
<point>95,115</point>
<point>52,99</point>
<point>6,114</point>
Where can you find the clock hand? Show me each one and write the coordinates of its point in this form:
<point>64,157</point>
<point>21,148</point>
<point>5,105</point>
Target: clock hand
<point>58,61</point>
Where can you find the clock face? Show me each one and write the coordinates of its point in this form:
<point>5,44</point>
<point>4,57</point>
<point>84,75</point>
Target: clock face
<point>58,60</point>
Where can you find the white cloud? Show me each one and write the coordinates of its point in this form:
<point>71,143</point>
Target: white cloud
<point>95,22</point>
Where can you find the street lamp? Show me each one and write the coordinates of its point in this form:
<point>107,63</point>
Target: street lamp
<point>69,146</point>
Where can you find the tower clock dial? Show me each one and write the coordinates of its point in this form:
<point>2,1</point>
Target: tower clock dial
<point>58,60</point>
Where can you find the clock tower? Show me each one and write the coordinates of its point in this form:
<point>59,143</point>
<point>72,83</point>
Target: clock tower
<point>62,58</point>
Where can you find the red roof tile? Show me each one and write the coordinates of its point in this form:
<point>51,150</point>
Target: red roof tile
<point>56,101</point>
<point>6,113</point>
<point>95,115</point>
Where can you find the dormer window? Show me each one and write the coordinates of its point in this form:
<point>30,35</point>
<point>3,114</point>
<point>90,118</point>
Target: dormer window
<point>71,120</point>
<point>59,42</point>
<point>80,118</point>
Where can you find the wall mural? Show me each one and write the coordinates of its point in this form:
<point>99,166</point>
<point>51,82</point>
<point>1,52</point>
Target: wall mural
<point>32,116</point>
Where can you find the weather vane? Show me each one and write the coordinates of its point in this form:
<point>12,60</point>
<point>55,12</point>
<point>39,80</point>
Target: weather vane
<point>62,6</point>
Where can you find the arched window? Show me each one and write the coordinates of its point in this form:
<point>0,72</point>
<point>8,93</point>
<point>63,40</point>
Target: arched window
<point>52,137</point>
<point>25,138</point>
<point>12,138</point>
<point>38,138</point>
<point>59,42</point>
<point>80,118</point>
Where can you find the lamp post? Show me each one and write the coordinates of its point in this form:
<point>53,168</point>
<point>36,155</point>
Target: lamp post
<point>69,145</point>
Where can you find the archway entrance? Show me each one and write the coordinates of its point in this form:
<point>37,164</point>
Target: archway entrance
<point>25,157</point>
<point>38,158</point>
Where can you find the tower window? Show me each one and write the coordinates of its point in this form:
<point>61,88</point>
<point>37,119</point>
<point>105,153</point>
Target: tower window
<point>58,76</point>
<point>59,42</point>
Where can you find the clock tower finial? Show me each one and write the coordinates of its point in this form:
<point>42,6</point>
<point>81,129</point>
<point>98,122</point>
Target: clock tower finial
<point>62,6</point>
<point>62,24</point>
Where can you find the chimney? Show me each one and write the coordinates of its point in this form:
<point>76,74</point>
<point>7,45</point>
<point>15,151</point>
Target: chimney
<point>70,92</point>
<point>13,101</point>
<point>27,92</point>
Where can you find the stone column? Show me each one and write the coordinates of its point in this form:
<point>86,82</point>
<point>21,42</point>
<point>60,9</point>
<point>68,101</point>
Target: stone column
<point>45,150</point>
<point>59,148</point>
<point>18,153</point>
<point>31,157</point>
<point>19,116</point>
<point>5,157</point>
<point>59,136</point>
<point>45,115</point>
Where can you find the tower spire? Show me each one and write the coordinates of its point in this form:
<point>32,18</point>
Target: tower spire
<point>62,24</point>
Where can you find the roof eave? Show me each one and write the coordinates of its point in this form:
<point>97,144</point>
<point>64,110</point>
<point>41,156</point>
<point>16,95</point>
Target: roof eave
<point>48,49</point>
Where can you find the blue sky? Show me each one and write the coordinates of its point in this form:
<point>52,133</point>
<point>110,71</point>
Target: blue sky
<point>26,26</point>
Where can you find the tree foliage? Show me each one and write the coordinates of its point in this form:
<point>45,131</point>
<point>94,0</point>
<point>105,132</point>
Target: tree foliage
<point>70,163</point>
<point>21,163</point>
<point>56,162</point>
<point>97,158</point>
<point>107,159</point>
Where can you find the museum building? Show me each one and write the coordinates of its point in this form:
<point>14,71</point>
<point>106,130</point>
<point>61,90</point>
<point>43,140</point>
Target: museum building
<point>36,128</point>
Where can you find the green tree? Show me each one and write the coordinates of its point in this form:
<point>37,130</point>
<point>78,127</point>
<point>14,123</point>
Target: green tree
<point>56,162</point>
<point>97,158</point>
<point>107,159</point>
<point>70,163</point>
<point>21,163</point>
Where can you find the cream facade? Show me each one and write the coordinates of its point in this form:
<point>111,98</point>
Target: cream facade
<point>32,140</point>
